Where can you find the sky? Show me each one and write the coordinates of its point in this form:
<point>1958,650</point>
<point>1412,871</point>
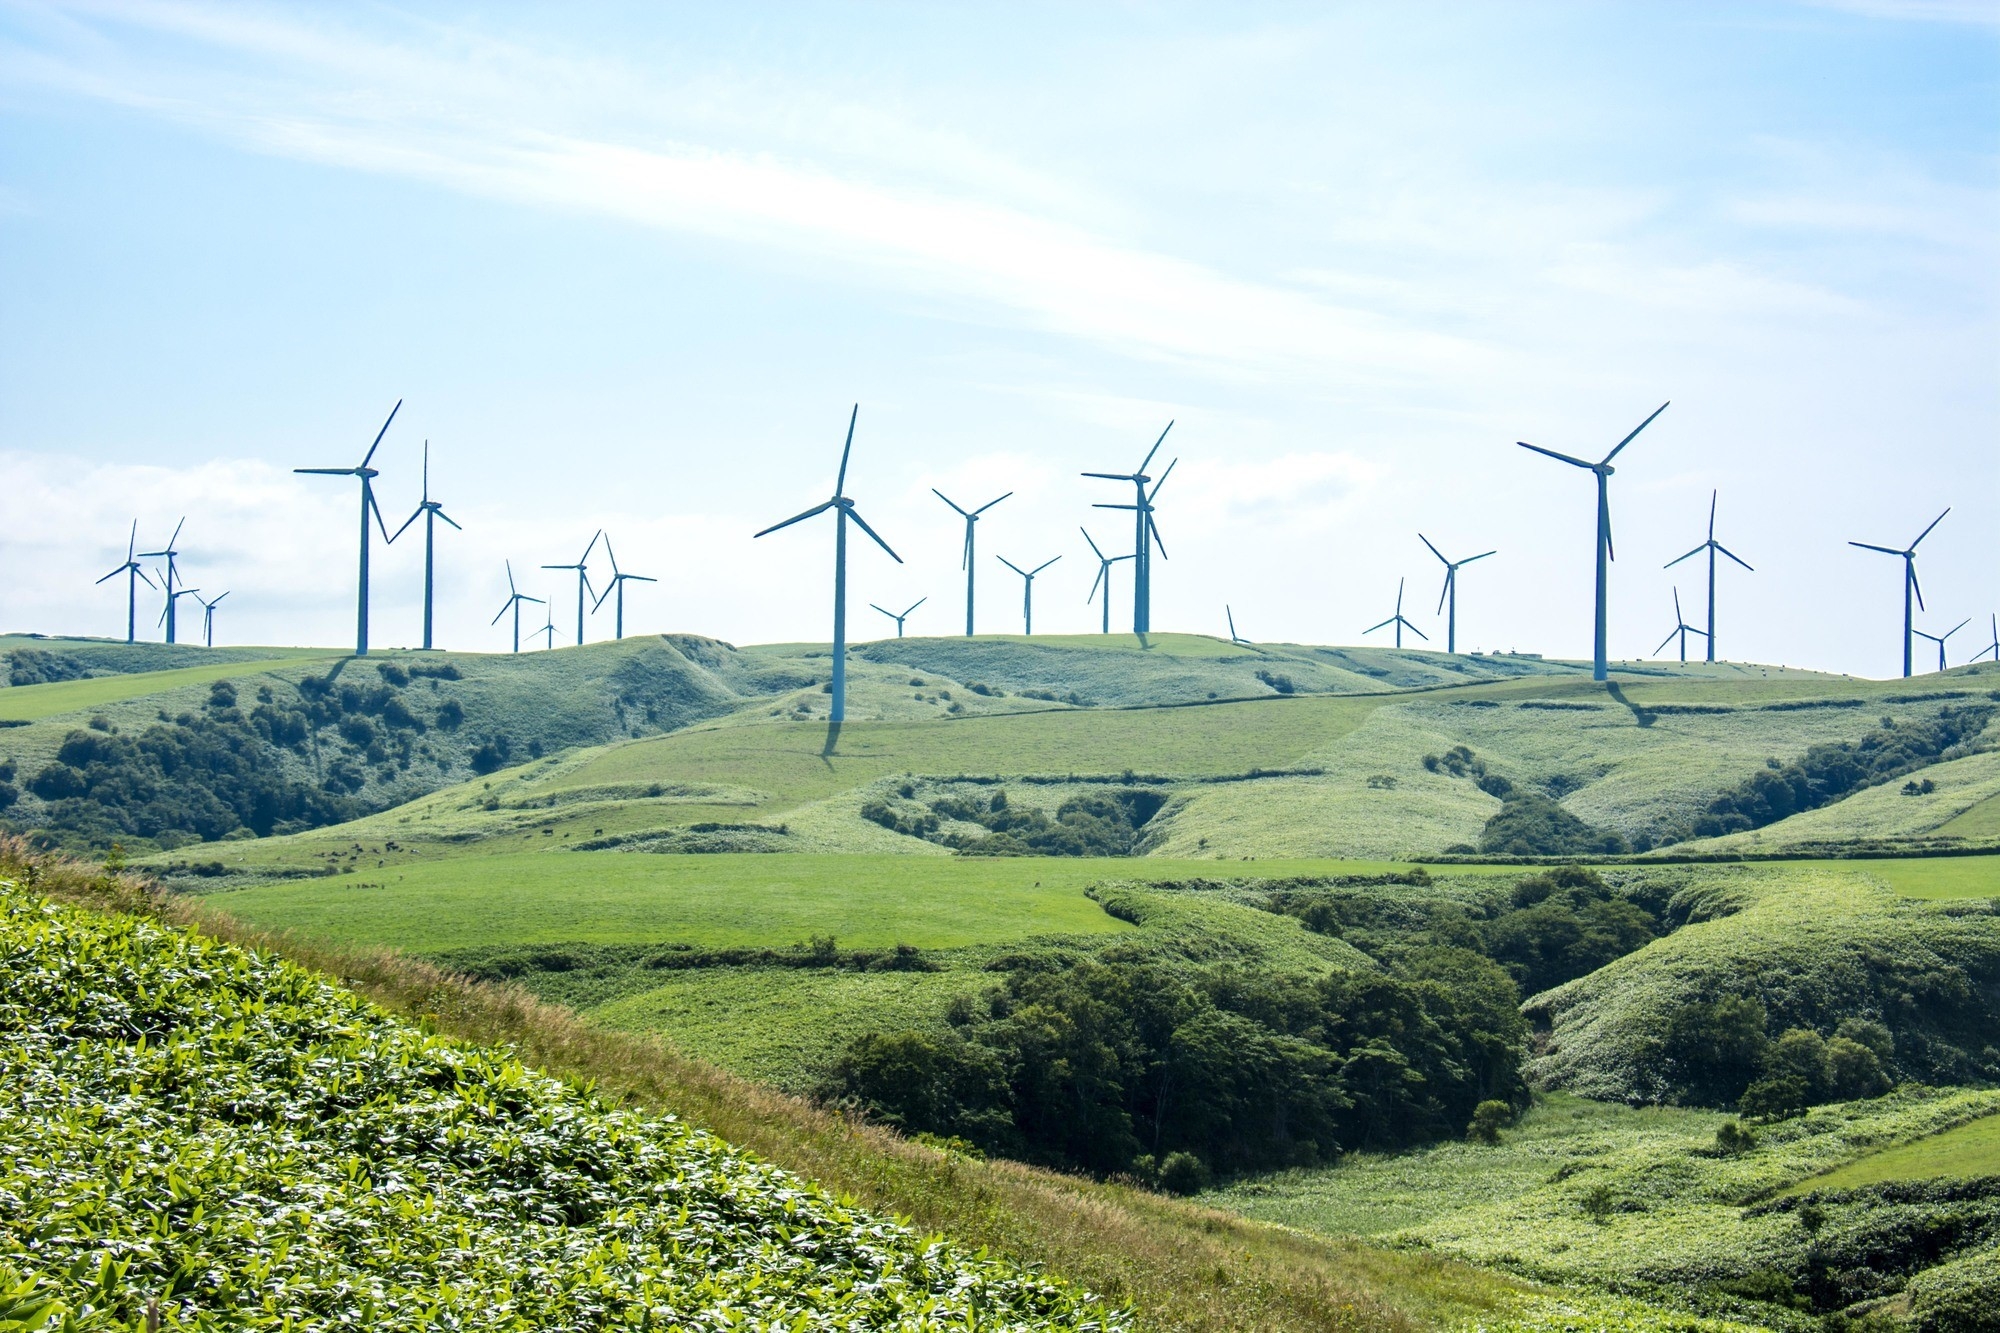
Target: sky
<point>631,266</point>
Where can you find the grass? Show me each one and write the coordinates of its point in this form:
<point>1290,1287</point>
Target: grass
<point>1180,1266</point>
<point>1939,878</point>
<point>30,703</point>
<point>1812,944</point>
<point>1967,1152</point>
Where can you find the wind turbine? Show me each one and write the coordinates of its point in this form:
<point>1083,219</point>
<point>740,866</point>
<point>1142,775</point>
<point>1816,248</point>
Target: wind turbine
<point>843,511</point>
<point>1681,628</point>
<point>171,577</point>
<point>548,629</point>
<point>208,605</point>
<point>899,619</point>
<point>167,614</point>
<point>583,588</point>
<point>1605,554</point>
<point>1104,564</point>
<point>617,584</point>
<point>1146,534</point>
<point>1234,637</point>
<point>1994,647</point>
<point>966,560</point>
<point>1450,594</point>
<point>367,475</point>
<point>513,603</point>
<point>1398,621</point>
<point>1027,589</point>
<point>429,510</point>
<point>1911,588</point>
<point>133,576</point>
<point>1712,546</point>
<point>1939,639</point>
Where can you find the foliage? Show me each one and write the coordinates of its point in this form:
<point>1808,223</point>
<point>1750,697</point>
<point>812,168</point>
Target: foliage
<point>38,666</point>
<point>1959,1296</point>
<point>1530,824</point>
<point>1827,772</point>
<point>1098,1064</point>
<point>1488,1119</point>
<point>184,1120</point>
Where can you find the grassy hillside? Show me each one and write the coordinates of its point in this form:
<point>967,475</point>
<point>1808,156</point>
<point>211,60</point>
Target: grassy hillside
<point>1640,1199</point>
<point>331,1165</point>
<point>1809,946</point>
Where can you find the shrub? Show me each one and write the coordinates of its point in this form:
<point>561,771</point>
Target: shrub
<point>1714,1049</point>
<point>1183,1173</point>
<point>1488,1119</point>
<point>1535,825</point>
<point>1733,1138</point>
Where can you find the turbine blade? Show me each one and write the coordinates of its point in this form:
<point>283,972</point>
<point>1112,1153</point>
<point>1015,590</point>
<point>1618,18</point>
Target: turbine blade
<point>406,522</point>
<point>988,505</point>
<point>890,614</point>
<point>511,589</point>
<point>1913,545</point>
<point>1917,587</point>
<point>143,579</point>
<point>1696,551</point>
<point>1156,446</point>
<point>1481,556</point>
<point>639,578</point>
<point>914,605</point>
<point>506,607</point>
<point>1445,591</point>
<point>584,559</point>
<point>610,555</point>
<point>1574,462</point>
<point>1046,563</point>
<point>840,482</point>
<point>132,542</point>
<point>853,514</point>
<point>1870,546</point>
<point>1434,550</point>
<point>1162,481</point>
<point>965,551</point>
<point>368,492</point>
<point>1110,476</point>
<point>948,500</point>
<point>1664,642</point>
<point>1011,565</point>
<point>1154,529</point>
<point>380,433</point>
<point>326,471</point>
<point>1103,506</point>
<point>1635,431</point>
<point>114,574</point>
<point>1414,630</point>
<point>1956,628</point>
<point>1372,628</point>
<point>797,518</point>
<point>439,511</point>
<point>1093,545</point>
<point>183,523</point>
<point>1737,558</point>
<point>1102,570</point>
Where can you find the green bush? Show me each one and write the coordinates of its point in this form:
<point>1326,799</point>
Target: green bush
<point>1183,1173</point>
<point>1488,1119</point>
<point>1530,824</point>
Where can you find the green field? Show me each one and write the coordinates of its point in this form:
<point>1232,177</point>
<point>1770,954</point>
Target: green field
<point>29,703</point>
<point>1967,1152</point>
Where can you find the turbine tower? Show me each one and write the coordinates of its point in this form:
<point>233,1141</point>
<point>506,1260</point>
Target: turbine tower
<point>1911,588</point>
<point>1939,639</point>
<point>965,561</point>
<point>513,603</point>
<point>843,511</point>
<point>367,475</point>
<point>167,613</point>
<point>1449,597</point>
<point>1146,533</point>
<point>899,619</point>
<point>134,575</point>
<point>429,510</point>
<point>583,588</point>
<point>208,605</point>
<point>1681,629</point>
<point>170,579</point>
<point>1605,554</point>
<point>1398,621</point>
<point>1712,546</point>
<point>1104,564</point>
<point>1027,589</point>
<point>1994,647</point>
<point>1234,637</point>
<point>618,581</point>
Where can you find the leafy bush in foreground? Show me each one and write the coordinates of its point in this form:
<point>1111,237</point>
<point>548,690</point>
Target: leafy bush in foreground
<point>186,1120</point>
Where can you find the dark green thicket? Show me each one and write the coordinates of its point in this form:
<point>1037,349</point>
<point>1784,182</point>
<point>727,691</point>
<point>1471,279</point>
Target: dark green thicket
<point>1828,772</point>
<point>1547,929</point>
<point>1717,1053</point>
<point>1529,824</point>
<point>1115,1066</point>
<point>38,666</point>
<point>1105,823</point>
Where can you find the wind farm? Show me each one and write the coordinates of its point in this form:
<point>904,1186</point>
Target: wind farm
<point>710,958</point>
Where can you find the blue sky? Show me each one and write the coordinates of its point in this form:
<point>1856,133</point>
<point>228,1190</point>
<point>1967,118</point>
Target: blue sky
<point>629,266</point>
